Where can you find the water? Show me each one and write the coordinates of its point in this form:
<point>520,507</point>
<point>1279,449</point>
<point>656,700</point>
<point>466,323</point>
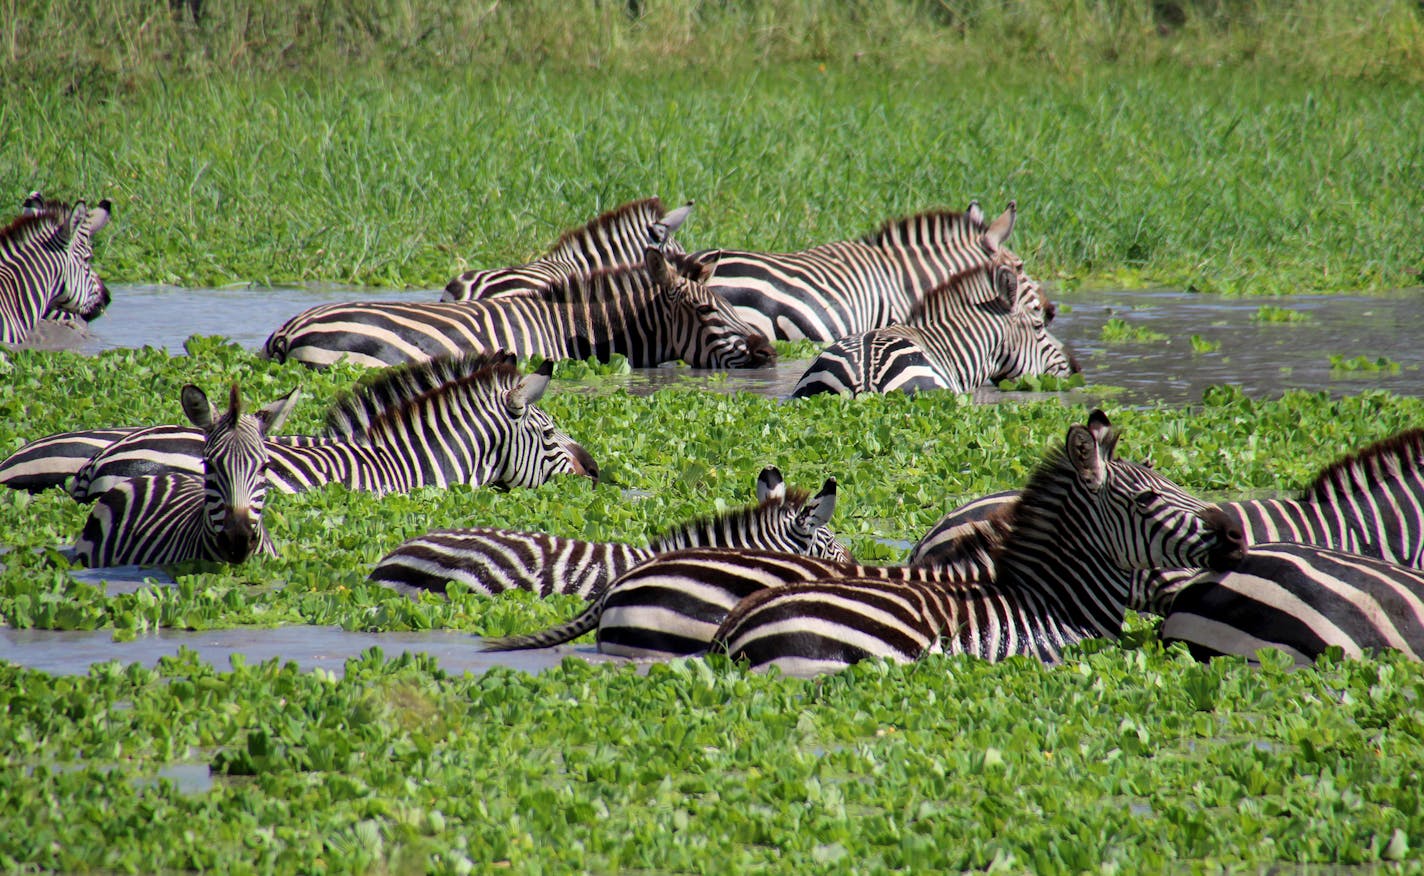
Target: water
<point>1264,359</point>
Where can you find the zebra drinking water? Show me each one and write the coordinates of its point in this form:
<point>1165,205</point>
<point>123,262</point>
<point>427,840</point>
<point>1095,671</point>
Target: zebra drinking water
<point>985,324</point>
<point>650,313</point>
<point>45,266</point>
<point>492,561</point>
<point>617,237</point>
<point>170,518</point>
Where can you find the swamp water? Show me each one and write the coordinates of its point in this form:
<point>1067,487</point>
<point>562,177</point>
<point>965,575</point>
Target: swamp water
<point>1263,358</point>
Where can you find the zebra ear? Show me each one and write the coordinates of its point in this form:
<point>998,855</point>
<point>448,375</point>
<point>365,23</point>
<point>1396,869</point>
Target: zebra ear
<point>529,390</point>
<point>199,410</point>
<point>1090,449</point>
<point>657,265</point>
<point>975,213</point>
<point>99,216</point>
<point>273,415</point>
<point>770,485</point>
<point>1103,432</point>
<point>999,231</point>
<point>1006,284</point>
<point>700,267</point>
<point>77,216</point>
<point>34,203</point>
<point>663,229</point>
<point>819,507</point>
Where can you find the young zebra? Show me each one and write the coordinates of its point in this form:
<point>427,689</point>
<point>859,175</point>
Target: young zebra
<point>651,313</point>
<point>673,604</point>
<point>1056,575</point>
<point>987,323</point>
<point>617,237</point>
<point>493,561</point>
<point>844,288</point>
<point>471,420</point>
<point>45,268</point>
<point>175,517</point>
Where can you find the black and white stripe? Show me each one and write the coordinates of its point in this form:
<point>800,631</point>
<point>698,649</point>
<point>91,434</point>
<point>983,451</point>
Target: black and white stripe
<point>844,288</point>
<point>985,324</point>
<point>617,237</point>
<point>654,312</point>
<point>175,517</point>
<point>48,462</point>
<point>492,561</point>
<point>1056,577</point>
<point>45,266</point>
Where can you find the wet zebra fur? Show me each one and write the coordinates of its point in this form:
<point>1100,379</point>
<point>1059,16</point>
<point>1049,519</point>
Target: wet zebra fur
<point>985,324</point>
<point>492,561</point>
<point>618,237</point>
<point>1083,518</point>
<point>45,266</point>
<point>656,311</point>
<point>844,288</point>
<point>176,517</point>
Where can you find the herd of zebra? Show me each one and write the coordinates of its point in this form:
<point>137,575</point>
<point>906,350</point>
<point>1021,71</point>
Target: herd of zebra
<point>932,301</point>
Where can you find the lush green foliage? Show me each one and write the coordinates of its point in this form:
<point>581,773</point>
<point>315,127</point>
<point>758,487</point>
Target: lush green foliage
<point>1362,364</point>
<point>1271,313</point>
<point>1119,331</point>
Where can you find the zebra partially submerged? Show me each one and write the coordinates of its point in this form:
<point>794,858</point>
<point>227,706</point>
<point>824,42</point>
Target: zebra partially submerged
<point>617,237</point>
<point>174,517</point>
<point>847,287</point>
<point>46,268</point>
<point>985,324</point>
<point>673,604</point>
<point>654,312</point>
<point>472,420</point>
<point>492,561</point>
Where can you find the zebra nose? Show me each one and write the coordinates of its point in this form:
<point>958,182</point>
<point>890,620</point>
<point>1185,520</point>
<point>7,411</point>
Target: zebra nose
<point>760,352</point>
<point>240,535</point>
<point>1230,548</point>
<point>584,463</point>
<point>1073,366</point>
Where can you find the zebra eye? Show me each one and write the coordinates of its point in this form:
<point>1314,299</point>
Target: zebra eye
<point>705,310</point>
<point>1145,499</point>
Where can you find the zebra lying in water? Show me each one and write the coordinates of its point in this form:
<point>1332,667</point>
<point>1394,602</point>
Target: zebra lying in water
<point>617,237</point>
<point>1105,511</point>
<point>45,266</point>
<point>985,324</point>
<point>493,561</point>
<point>652,312</point>
<point>471,420</point>
<point>170,518</point>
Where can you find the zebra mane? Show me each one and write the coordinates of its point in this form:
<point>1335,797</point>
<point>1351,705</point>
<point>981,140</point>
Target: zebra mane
<point>954,286</point>
<point>933,227</point>
<point>1045,490</point>
<point>588,241</point>
<point>795,498</point>
<point>1385,460</point>
<point>396,390</point>
<point>977,540</point>
<point>30,226</point>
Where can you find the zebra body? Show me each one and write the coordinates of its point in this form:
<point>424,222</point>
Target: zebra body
<point>848,287</point>
<point>50,461</point>
<point>492,561</point>
<point>617,237</point>
<point>985,324</point>
<point>652,313</point>
<point>1056,577</point>
<point>176,517</point>
<point>471,420</point>
<point>45,266</point>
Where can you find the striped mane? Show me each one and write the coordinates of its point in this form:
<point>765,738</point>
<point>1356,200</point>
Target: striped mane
<point>1385,460</point>
<point>590,242</point>
<point>932,228</point>
<point>956,286</point>
<point>1041,498</point>
<point>396,392</point>
<point>795,498</point>
<point>27,228</point>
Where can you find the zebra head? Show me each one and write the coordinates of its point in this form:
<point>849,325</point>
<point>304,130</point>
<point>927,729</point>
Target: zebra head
<point>79,290</point>
<point>706,331</point>
<point>234,468</point>
<point>1124,516</point>
<point>532,447</point>
<point>795,522</point>
<point>1026,346</point>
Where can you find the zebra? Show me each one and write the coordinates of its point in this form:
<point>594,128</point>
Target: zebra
<point>1056,580</point>
<point>45,266</point>
<point>48,462</point>
<point>175,517</point>
<point>984,324</point>
<point>492,561</point>
<point>656,312</point>
<point>840,289</point>
<point>1301,599</point>
<point>617,237</point>
<point>673,604</point>
<point>470,420</point>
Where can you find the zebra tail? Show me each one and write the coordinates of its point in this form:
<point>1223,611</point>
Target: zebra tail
<point>565,632</point>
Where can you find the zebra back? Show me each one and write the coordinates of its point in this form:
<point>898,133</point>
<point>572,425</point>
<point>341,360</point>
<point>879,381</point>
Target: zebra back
<point>176,517</point>
<point>50,461</point>
<point>45,265</point>
<point>617,237</point>
<point>492,561</point>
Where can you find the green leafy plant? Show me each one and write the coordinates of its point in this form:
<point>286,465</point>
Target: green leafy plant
<point>1362,365</point>
<point>1271,313</point>
<point>1118,331</point>
<point>1202,345</point>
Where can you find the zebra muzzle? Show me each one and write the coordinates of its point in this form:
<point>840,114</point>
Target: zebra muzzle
<point>239,537</point>
<point>1230,547</point>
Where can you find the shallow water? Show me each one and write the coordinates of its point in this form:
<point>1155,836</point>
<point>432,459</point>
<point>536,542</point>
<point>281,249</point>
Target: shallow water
<point>1264,359</point>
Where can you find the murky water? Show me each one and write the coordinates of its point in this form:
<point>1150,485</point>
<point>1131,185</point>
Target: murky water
<point>1262,358</point>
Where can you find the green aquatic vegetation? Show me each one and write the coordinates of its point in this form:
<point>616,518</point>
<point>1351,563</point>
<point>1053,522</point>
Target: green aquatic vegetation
<point>1042,383</point>
<point>1362,365</point>
<point>1118,331</point>
<point>790,351</point>
<point>1271,313</point>
<point>1203,345</point>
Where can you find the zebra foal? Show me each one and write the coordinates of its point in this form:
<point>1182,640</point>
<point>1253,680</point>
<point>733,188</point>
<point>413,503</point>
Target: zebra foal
<point>492,561</point>
<point>45,266</point>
